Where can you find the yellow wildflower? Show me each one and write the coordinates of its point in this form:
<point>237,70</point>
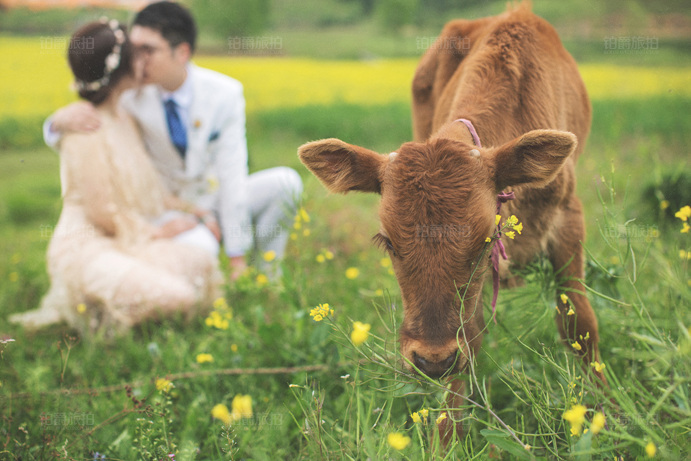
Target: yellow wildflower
<point>234,347</point>
<point>293,236</point>
<point>320,258</point>
<point>303,215</point>
<point>398,441</point>
<point>441,418</point>
<point>360,333</point>
<point>488,239</point>
<point>262,280</point>
<point>320,312</point>
<point>269,256</point>
<point>220,303</point>
<point>216,320</point>
<point>511,235</point>
<point>576,417</point>
<point>598,423</point>
<point>81,308</point>
<point>420,416</point>
<point>564,298</point>
<point>203,358</point>
<point>163,385</point>
<point>221,412</point>
<point>664,204</point>
<point>497,219</point>
<point>306,232</point>
<point>576,346</point>
<point>328,254</point>
<point>650,449</point>
<point>242,407</point>
<point>518,228</point>
<point>685,228</point>
<point>598,366</point>
<point>352,273</point>
<point>570,312</point>
<point>512,221</point>
<point>385,262</point>
<point>683,254</point>
<point>16,258</point>
<point>684,213</point>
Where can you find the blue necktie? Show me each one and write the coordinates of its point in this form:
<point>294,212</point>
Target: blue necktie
<point>178,134</point>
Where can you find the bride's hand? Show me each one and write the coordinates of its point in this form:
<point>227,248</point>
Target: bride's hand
<point>175,226</point>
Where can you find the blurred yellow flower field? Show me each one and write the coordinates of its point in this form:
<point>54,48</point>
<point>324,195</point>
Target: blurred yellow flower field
<point>36,79</point>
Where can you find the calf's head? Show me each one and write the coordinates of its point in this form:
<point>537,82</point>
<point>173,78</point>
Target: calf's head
<point>438,203</point>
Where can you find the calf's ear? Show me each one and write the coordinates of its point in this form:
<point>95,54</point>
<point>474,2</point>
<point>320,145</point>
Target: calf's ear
<point>343,167</point>
<point>534,158</point>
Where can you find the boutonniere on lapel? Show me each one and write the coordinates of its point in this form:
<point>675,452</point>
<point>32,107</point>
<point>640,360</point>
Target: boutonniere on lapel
<point>197,124</point>
<point>212,181</point>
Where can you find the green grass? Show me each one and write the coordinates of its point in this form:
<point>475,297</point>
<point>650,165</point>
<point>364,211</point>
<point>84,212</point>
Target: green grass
<point>346,409</point>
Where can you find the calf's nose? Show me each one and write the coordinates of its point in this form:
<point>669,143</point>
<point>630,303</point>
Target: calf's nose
<point>435,369</point>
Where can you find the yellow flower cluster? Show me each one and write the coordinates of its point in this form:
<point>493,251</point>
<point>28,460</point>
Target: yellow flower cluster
<point>324,255</point>
<point>241,408</point>
<point>420,416</point>
<point>352,273</point>
<point>576,417</point>
<point>398,441</point>
<point>204,358</point>
<point>320,312</point>
<point>163,385</point>
<point>221,315</point>
<point>360,333</point>
<point>510,227</point>
<point>299,223</point>
<point>599,367</point>
<point>684,214</point>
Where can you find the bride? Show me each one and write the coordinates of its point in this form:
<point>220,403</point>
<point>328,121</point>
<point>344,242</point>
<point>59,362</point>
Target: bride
<point>124,250</point>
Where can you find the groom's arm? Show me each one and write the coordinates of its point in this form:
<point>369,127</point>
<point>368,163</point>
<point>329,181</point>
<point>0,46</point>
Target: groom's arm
<point>79,116</point>
<point>232,170</point>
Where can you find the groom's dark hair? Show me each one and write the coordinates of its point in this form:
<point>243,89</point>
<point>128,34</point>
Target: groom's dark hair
<point>172,20</point>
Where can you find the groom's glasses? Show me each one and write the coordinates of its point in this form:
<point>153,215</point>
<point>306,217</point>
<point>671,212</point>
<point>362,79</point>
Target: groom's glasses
<point>146,51</point>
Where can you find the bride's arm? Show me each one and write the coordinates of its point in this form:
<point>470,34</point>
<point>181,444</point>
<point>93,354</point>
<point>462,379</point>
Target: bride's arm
<point>204,216</point>
<point>89,179</point>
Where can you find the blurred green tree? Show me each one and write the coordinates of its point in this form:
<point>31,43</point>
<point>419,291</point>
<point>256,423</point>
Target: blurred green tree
<point>231,18</point>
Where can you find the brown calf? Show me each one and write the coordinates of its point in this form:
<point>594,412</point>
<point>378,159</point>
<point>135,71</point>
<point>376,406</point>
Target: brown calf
<point>510,77</point>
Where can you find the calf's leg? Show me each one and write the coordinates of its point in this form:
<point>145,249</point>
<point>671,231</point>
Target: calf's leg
<point>575,318</point>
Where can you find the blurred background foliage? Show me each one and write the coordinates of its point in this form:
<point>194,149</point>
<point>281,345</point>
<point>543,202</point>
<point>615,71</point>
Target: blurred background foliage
<point>583,21</point>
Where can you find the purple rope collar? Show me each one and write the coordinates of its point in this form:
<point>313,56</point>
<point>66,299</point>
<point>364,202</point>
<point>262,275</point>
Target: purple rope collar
<point>498,247</point>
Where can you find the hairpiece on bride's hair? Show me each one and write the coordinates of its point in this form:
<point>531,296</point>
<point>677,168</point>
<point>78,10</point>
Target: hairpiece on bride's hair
<point>112,60</point>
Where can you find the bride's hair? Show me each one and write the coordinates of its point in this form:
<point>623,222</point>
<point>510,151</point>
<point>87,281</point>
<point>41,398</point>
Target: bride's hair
<point>100,55</point>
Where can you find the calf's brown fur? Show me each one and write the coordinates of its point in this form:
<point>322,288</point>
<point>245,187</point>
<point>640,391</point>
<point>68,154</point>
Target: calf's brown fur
<point>512,78</point>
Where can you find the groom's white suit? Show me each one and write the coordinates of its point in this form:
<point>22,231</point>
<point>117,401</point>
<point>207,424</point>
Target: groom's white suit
<point>252,209</point>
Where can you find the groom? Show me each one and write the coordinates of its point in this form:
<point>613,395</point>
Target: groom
<point>193,123</point>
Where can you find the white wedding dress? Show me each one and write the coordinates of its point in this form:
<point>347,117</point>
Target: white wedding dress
<point>106,269</point>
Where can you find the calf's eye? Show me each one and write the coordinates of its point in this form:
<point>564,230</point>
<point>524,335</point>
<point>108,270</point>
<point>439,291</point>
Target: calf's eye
<point>384,243</point>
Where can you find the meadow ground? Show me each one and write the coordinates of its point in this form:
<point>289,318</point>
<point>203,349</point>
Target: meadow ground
<point>259,378</point>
